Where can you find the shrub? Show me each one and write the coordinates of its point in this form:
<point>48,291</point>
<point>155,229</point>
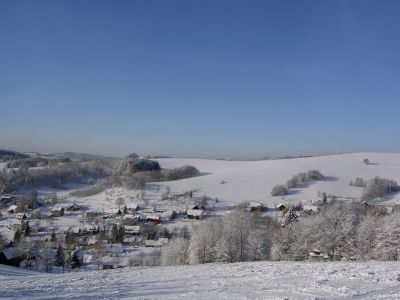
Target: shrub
<point>358,182</point>
<point>180,173</point>
<point>279,190</point>
<point>315,175</point>
<point>379,187</point>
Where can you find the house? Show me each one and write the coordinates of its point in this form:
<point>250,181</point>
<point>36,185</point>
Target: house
<point>389,208</point>
<point>23,216</point>
<point>7,198</point>
<point>128,240</point>
<point>153,219</point>
<point>11,256</point>
<point>57,212</point>
<point>132,220</point>
<point>163,241</point>
<point>168,215</point>
<point>158,210</point>
<point>316,255</point>
<point>255,206</point>
<point>74,207</point>
<point>280,207</point>
<point>107,263</point>
<point>132,230</point>
<point>113,249</point>
<point>90,214</point>
<point>12,209</point>
<point>156,244</point>
<point>132,208</point>
<point>112,212</point>
<point>310,208</point>
<point>153,244</point>
<point>197,206</point>
<point>194,214</point>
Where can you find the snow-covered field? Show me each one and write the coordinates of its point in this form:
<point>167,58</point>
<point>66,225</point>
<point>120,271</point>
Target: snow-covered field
<point>256,280</point>
<point>253,180</point>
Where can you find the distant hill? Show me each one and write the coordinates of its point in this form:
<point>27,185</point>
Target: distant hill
<point>6,155</point>
<point>75,156</point>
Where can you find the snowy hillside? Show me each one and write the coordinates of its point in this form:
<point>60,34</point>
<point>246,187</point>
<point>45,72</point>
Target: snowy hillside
<point>257,280</point>
<point>253,180</point>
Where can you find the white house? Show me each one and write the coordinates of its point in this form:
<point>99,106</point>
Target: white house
<point>133,230</point>
<point>194,214</point>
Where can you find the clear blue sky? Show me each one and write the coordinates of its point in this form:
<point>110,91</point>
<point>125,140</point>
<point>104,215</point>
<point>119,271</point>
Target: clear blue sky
<point>200,78</point>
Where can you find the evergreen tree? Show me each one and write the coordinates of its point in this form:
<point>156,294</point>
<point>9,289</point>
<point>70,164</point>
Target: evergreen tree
<point>53,237</point>
<point>60,257</point>
<point>114,233</point>
<point>17,236</point>
<point>120,234</point>
<point>324,198</point>
<point>27,229</point>
<point>76,261</point>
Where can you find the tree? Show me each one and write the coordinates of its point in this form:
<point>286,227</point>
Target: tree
<point>53,237</point>
<point>119,202</point>
<point>257,246</point>
<point>175,252</point>
<point>279,190</point>
<point>202,248</point>
<point>46,258</point>
<point>366,161</point>
<point>235,233</point>
<point>324,198</point>
<point>17,237</point>
<point>69,239</point>
<point>27,231</point>
<point>76,259</point>
<point>60,258</point>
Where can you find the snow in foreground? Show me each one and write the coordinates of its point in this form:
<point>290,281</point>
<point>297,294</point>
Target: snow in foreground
<point>256,280</point>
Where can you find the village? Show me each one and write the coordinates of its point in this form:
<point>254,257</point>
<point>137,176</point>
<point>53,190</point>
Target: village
<point>96,236</point>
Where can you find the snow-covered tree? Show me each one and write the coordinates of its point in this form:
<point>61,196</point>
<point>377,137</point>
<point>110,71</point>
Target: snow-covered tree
<point>203,241</point>
<point>175,252</point>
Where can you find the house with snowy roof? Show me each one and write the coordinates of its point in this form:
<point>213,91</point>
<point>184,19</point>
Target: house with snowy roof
<point>194,214</point>
<point>11,256</point>
<point>57,212</point>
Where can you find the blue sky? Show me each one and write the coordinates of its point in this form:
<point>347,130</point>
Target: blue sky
<point>200,78</point>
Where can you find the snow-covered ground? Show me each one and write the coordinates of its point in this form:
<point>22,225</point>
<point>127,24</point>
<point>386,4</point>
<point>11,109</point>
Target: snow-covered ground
<point>253,180</point>
<point>256,280</point>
